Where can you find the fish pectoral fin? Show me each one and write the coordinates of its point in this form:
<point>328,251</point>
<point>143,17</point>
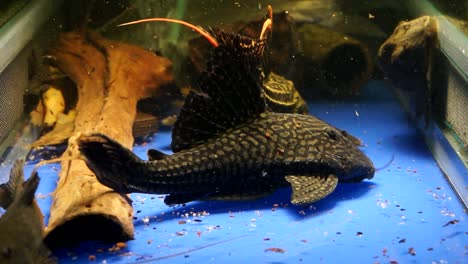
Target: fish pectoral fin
<point>308,189</point>
<point>154,154</point>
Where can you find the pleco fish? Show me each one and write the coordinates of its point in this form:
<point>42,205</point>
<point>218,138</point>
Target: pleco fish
<point>281,96</point>
<point>228,145</point>
<point>21,227</point>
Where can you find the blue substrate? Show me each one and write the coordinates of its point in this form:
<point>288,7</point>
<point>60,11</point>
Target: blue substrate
<point>408,213</point>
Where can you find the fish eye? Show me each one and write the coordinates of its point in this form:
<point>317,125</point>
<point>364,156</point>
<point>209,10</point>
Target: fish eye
<point>7,252</point>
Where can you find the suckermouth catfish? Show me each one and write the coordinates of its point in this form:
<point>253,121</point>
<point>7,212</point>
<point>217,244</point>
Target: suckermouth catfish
<point>21,226</point>
<point>227,143</point>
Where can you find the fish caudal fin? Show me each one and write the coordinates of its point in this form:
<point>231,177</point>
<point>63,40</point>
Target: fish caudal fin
<point>14,186</point>
<point>113,164</point>
<point>308,189</point>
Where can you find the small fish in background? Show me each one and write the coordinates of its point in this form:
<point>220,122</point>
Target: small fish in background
<point>21,226</point>
<point>229,145</point>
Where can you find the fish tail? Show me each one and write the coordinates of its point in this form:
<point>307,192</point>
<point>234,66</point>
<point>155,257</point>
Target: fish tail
<point>113,164</point>
<point>14,186</point>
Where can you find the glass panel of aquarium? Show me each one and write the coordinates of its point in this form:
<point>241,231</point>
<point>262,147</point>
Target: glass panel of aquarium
<point>233,131</point>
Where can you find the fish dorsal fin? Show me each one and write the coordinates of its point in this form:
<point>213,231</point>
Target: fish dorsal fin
<point>154,154</point>
<point>14,186</point>
<point>308,189</point>
<point>230,92</point>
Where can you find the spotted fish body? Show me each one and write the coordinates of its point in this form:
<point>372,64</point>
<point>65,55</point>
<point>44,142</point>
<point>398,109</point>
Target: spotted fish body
<point>251,160</point>
<point>282,97</point>
<point>228,144</point>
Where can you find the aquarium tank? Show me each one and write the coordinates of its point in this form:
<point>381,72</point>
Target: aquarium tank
<point>233,131</point>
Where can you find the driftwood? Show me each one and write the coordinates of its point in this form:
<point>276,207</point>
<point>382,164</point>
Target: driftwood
<point>341,62</point>
<point>406,57</point>
<point>407,51</point>
<point>411,59</point>
<point>111,77</point>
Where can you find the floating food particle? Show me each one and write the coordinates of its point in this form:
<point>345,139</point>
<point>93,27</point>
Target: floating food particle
<point>180,233</point>
<point>199,233</point>
<point>91,257</point>
<point>412,251</point>
<point>359,234</point>
<point>182,222</point>
<point>275,249</point>
<point>452,222</point>
<point>304,240</point>
<point>403,240</point>
<point>338,233</point>
<point>393,262</point>
<point>430,249</point>
<point>266,239</point>
<point>197,220</point>
<point>149,241</point>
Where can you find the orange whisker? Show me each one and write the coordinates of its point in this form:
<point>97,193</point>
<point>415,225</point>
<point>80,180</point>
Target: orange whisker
<point>199,30</point>
<point>268,24</point>
<point>270,12</point>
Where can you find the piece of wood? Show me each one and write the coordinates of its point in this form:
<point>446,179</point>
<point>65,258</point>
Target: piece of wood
<point>406,58</point>
<point>110,77</point>
<point>337,65</point>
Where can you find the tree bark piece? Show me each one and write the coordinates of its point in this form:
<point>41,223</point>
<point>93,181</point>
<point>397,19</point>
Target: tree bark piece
<point>111,77</point>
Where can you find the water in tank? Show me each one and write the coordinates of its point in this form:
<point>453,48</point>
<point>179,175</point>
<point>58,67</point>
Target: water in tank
<point>233,131</point>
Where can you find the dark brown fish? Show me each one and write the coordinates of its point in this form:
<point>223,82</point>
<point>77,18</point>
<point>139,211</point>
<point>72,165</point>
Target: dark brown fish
<point>21,227</point>
<point>228,144</point>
